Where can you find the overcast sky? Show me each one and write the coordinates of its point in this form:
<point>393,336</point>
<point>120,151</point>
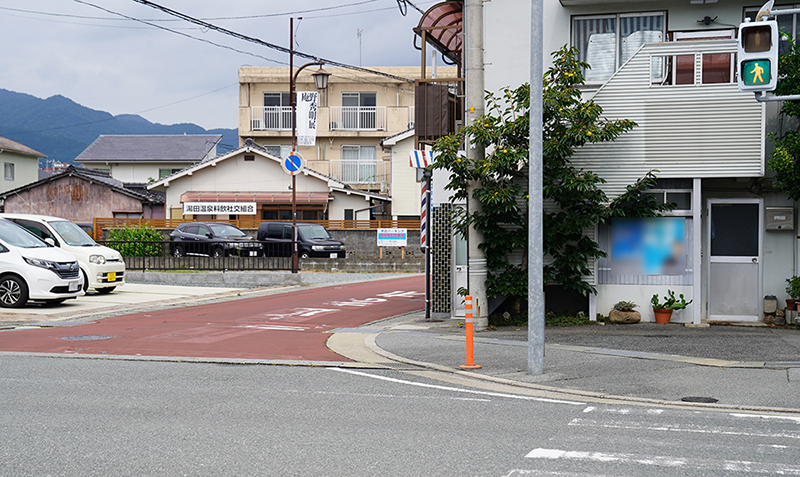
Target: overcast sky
<point>89,52</point>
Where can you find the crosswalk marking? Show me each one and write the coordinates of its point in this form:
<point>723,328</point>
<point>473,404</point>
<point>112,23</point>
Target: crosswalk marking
<point>666,461</point>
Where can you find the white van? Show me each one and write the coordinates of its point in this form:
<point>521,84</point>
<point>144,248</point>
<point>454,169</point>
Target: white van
<point>31,269</point>
<point>103,268</point>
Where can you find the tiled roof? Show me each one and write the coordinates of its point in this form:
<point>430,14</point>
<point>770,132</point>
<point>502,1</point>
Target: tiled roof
<point>134,190</point>
<point>148,148</point>
<point>9,145</point>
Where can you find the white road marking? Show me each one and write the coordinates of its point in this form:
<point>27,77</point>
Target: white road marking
<point>764,416</point>
<point>727,431</point>
<point>589,409</point>
<point>460,390</point>
<point>275,327</point>
<point>667,461</point>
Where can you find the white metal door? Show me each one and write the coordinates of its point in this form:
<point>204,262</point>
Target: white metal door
<point>734,259</point>
<point>460,275</point>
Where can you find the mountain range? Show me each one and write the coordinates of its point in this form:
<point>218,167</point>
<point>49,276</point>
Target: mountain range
<point>62,128</point>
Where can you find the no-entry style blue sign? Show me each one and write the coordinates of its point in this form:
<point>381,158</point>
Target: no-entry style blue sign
<point>293,163</point>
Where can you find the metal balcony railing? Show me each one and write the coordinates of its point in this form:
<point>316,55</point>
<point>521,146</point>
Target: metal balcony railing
<point>358,118</point>
<point>359,171</point>
<point>270,118</point>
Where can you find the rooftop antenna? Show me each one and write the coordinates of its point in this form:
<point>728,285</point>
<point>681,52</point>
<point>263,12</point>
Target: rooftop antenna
<point>359,46</point>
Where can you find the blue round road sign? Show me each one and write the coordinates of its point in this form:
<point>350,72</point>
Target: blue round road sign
<point>293,163</point>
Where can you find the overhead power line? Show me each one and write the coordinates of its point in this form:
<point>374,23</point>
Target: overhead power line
<point>257,41</point>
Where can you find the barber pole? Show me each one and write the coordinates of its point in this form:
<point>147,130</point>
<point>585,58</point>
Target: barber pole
<point>423,217</point>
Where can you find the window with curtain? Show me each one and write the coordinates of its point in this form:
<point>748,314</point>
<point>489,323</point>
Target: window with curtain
<point>606,42</point>
<point>358,164</point>
<point>359,110</point>
<point>277,111</point>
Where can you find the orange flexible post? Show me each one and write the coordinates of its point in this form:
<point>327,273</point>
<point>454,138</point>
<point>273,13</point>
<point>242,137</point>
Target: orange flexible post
<point>470,344</point>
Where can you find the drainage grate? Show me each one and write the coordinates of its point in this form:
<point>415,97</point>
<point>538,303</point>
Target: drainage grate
<point>85,338</point>
<point>699,399</point>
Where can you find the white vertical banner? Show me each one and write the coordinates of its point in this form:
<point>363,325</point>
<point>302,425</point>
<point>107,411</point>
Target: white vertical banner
<point>307,102</point>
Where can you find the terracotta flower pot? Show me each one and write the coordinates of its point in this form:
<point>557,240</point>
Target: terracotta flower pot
<point>662,315</point>
<point>791,303</point>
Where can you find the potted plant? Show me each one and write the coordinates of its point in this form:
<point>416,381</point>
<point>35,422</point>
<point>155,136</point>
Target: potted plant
<point>793,290</point>
<point>623,313</point>
<point>663,308</point>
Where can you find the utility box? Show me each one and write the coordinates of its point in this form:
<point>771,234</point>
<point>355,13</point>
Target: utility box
<point>780,218</point>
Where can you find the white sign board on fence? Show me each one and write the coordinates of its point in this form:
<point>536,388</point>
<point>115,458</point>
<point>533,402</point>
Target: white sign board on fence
<point>392,237</point>
<point>241,208</point>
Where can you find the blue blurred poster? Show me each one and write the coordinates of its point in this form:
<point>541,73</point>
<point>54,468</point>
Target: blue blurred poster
<point>652,246</point>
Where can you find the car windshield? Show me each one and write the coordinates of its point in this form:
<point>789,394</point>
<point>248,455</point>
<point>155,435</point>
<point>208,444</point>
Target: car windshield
<point>225,230</point>
<point>72,234</point>
<point>313,232</point>
<point>19,237</point>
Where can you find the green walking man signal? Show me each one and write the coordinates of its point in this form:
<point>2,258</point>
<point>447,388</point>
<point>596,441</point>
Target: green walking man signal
<point>758,56</point>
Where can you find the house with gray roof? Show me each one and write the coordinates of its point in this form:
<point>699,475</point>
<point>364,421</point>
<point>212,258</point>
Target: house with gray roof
<point>147,158</point>
<point>80,194</point>
<point>20,164</point>
<point>250,181</point>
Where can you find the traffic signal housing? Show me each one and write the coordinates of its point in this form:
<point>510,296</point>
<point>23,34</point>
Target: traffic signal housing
<point>757,64</point>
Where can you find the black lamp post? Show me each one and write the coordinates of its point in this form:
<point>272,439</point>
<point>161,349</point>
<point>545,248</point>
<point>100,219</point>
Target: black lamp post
<point>321,82</point>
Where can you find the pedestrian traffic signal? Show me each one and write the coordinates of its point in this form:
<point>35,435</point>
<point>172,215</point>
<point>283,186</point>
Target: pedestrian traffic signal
<point>757,64</point>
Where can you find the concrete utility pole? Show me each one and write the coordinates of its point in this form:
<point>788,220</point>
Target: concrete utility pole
<point>535,204</point>
<point>476,259</point>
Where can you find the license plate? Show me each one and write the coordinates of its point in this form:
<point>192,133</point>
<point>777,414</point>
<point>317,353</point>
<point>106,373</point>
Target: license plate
<point>334,255</point>
<point>112,276</point>
<point>253,253</point>
<point>74,286</point>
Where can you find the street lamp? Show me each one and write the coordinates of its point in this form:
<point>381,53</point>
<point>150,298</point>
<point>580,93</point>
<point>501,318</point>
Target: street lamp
<point>321,82</point>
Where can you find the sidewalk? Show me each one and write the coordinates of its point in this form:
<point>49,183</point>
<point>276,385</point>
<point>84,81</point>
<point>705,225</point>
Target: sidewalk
<point>748,368</point>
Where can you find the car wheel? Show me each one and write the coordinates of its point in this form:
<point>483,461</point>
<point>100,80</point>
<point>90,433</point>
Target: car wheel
<point>105,291</point>
<point>85,282</point>
<point>177,251</point>
<point>304,255</point>
<point>13,292</point>
<point>217,252</point>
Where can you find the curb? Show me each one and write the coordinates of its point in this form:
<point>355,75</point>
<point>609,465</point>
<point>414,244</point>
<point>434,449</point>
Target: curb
<point>370,342</point>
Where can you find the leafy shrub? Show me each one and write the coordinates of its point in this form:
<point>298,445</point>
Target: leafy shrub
<point>625,306</point>
<point>141,241</point>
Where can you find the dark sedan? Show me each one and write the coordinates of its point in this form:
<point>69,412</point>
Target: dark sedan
<point>213,240</point>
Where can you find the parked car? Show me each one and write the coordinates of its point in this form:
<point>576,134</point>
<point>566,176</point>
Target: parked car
<point>103,267</point>
<point>313,240</point>
<point>33,270</point>
<point>212,239</point>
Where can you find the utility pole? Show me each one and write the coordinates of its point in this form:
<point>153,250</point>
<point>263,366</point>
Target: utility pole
<point>535,202</point>
<point>476,259</point>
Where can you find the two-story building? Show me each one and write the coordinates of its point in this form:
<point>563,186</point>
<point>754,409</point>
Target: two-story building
<point>20,164</point>
<point>671,67</point>
<point>146,158</point>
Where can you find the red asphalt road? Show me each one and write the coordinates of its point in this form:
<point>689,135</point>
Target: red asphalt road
<point>286,326</point>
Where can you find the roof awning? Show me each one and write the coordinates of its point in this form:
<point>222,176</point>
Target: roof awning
<point>259,197</point>
<point>441,27</point>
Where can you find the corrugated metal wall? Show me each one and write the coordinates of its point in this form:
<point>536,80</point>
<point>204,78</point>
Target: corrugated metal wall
<point>686,131</point>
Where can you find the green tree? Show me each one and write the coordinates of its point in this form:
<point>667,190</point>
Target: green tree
<point>502,186</point>
<point>785,158</point>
